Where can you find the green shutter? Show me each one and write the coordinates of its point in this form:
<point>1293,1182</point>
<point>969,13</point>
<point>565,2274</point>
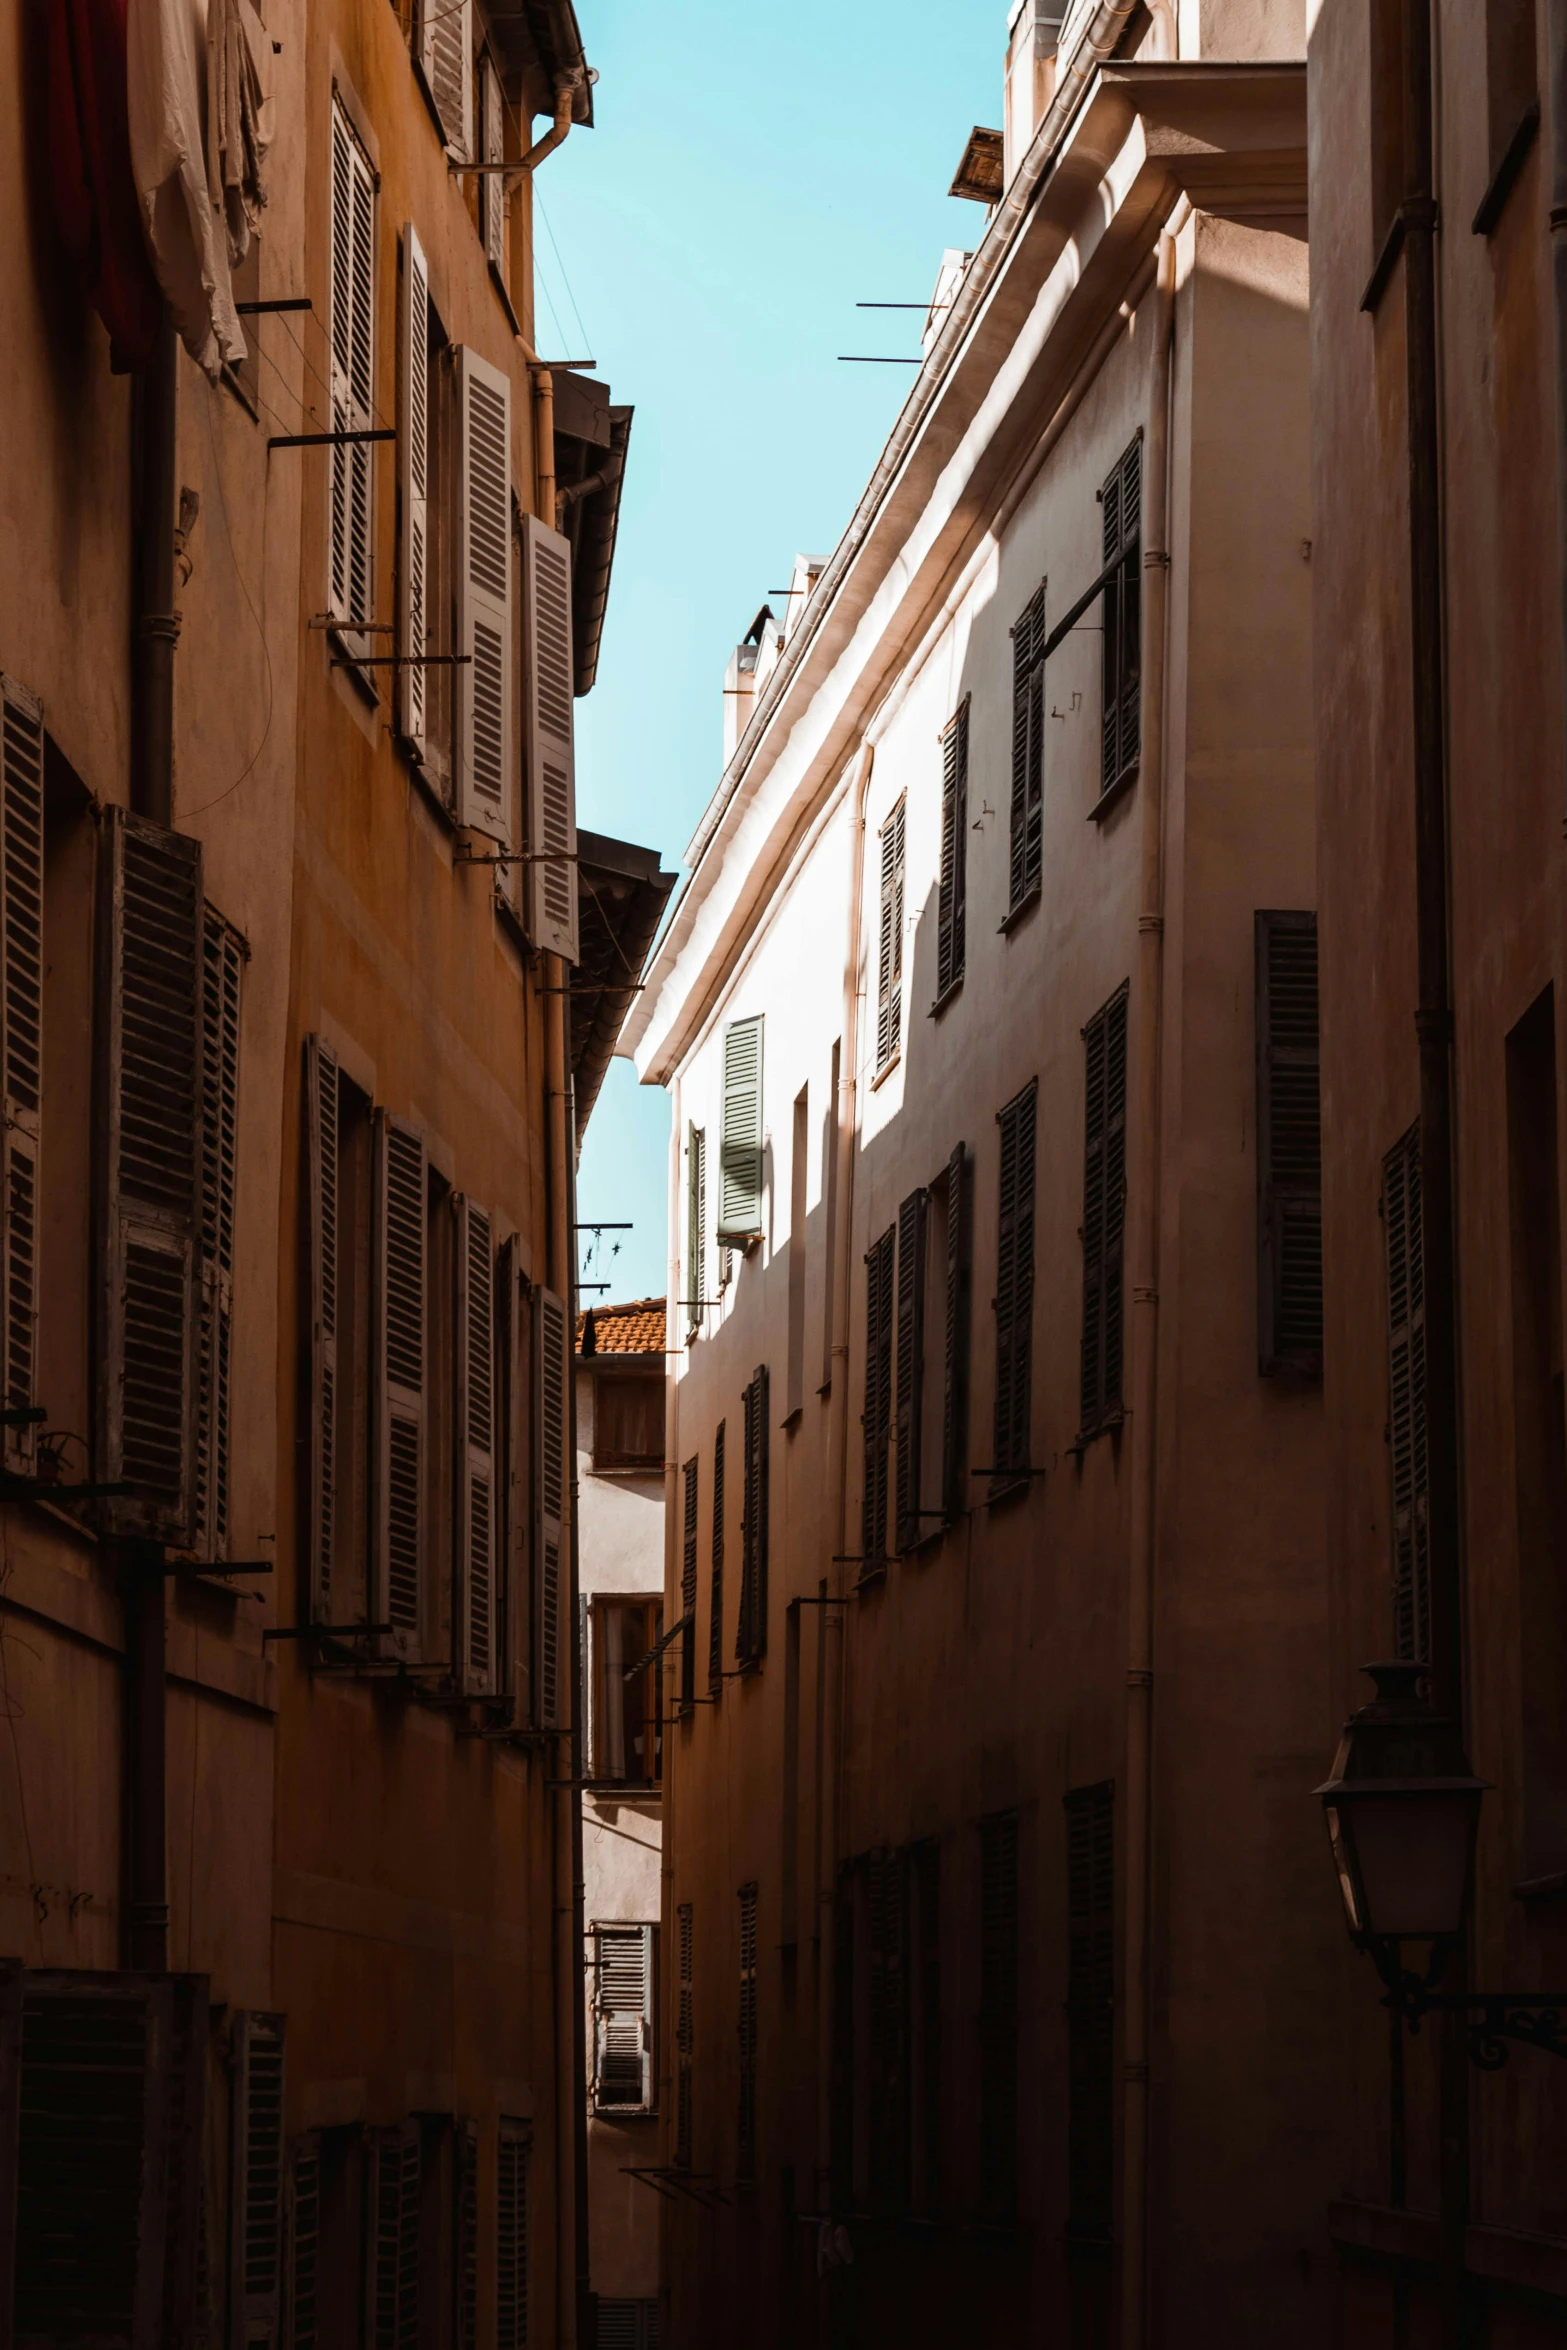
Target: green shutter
<point>740,1169</point>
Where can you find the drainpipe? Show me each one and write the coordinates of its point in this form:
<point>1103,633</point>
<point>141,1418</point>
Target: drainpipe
<point>669,1989</point>
<point>544,443</point>
<point>556,135</point>
<point>1145,1192</point>
<point>578,1971</point>
<point>1556,103</point>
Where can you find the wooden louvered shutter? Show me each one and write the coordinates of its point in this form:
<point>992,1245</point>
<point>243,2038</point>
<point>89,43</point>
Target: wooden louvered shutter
<point>889,965</point>
<point>878,1400</point>
<point>21,1048</point>
<point>1015,1286</point>
<point>512,2330</point>
<point>550,899</point>
<point>1104,1213</point>
<point>189,2048</point>
<point>751,1637</point>
<point>741,1140</point>
<point>392,2238</point>
<point>715,1619</point>
<point>256,2201</point>
<point>465,2236</point>
<point>224,956</point>
<point>11,1978</point>
<point>911,1365</point>
<point>925,1999</point>
<point>1289,1148</point>
<point>688,1585</point>
<point>351,586</point>
<point>473,1359</point>
<point>952,898</point>
<point>484,623</point>
<point>1028,750</point>
<point>446,61</point>
<point>515,1354</point>
<point>887,1985</point>
<point>492,184</point>
<point>696,1222</point>
<point>398,1351</point>
<point>745,2149</point>
<point>685,2034</point>
<point>551,1373</point>
<point>150,1113</point>
<point>302,2241</point>
<point>413,453</point>
<point>1406,1418</point>
<point>623,2019</point>
<point>998,2012</point>
<point>1121,500</point>
<point>1090,2007</point>
<point>321,1138</point>
<point>954,1385</point>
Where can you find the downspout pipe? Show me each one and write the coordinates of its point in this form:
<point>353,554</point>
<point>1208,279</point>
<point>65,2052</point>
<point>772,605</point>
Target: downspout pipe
<point>556,135</point>
<point>578,1971</point>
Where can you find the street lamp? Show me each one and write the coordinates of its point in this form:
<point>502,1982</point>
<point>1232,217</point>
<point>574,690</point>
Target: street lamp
<point>1402,1810</point>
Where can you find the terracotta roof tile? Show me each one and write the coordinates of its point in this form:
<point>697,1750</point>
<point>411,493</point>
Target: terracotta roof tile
<point>634,1329</point>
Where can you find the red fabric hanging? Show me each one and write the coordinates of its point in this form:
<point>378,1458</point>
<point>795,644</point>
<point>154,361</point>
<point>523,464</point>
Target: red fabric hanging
<point>90,169</point>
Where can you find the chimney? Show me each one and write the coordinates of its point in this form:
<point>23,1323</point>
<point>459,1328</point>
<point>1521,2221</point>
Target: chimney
<point>1033,38</point>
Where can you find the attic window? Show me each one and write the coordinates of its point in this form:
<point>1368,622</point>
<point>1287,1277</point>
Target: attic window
<point>979,174</point>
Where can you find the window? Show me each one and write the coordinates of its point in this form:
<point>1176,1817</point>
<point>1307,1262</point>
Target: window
<point>1289,1148</point>
<point>715,1616</point>
<point>475,1481</point>
<point>830,1214</point>
<point>913,1220</point>
<point>688,1586</point>
<point>798,1171</point>
<point>399,1428</point>
<point>1090,2009</point>
<point>1013,1435</point>
<point>879,1261</point>
<point>446,62</point>
<point>549,897</point>
<point>889,966</point>
<point>1028,751</point>
<point>492,149</point>
<point>550,1391</point>
<point>932,1354</point>
<point>426,584</point>
<point>625,2074</point>
<point>696,1224</point>
<point>745,2136</point>
<point>950,1232</point>
<point>1406,1381</point>
<point>302,2238</point>
<point>627,1730</point>
<point>751,1634</point>
<point>925,2052</point>
<point>1104,1215</point>
<point>628,1421</point>
<point>685,2034</point>
<point>256,2160</point>
<point>740,1155</point>
<point>224,955</point>
<point>951,903</point>
<point>22,963</point>
<point>626,2325</point>
<point>887,2031</point>
<point>888,1988</point>
<point>1122,503</point>
<point>998,2013</point>
<point>392,2196</point>
<point>351,584</point>
<point>511,2236</point>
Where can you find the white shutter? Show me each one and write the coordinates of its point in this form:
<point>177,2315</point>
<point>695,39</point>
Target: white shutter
<point>392,2238</point>
<point>473,1356</point>
<point>740,1149</point>
<point>351,583</point>
<point>623,2016</point>
<point>321,1113</point>
<point>492,184</point>
<point>21,1046</point>
<point>413,442</point>
<point>446,61</point>
<point>484,623</point>
<point>224,954</point>
<point>551,896</point>
<point>256,2199</point>
<point>397,1348</point>
<point>551,1373</point>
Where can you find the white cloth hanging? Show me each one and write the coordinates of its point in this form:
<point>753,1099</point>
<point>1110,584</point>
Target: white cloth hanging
<point>166,62</point>
<point>239,118</point>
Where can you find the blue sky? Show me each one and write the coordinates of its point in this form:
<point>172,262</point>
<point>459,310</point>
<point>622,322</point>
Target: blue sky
<point>753,174</point>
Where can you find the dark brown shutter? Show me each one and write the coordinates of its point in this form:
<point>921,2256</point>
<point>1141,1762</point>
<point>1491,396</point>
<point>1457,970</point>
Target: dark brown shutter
<point>878,1399</point>
<point>954,1390</point>
<point>751,1637</point>
<point>1090,2008</point>
<point>1104,1213</point>
<point>688,1586</point>
<point>224,955</point>
<point>513,1356</point>
<point>1015,1285</point>
<point>183,2317</point>
<point>745,2137</point>
<point>998,2013</point>
<point>149,1138</point>
<point>925,2079</point>
<point>1121,499</point>
<point>256,2175</point>
<point>1028,749</point>
<point>392,2238</point>
<point>323,1208</point>
<point>11,1980</point>
<point>715,1620</point>
<point>1406,1418</point>
<point>911,1365</point>
<point>685,2034</point>
<point>302,2238</point>
<point>889,971</point>
<point>551,1375</point>
<point>511,2237</point>
<point>1289,1148</point>
<point>21,1049</point>
<point>398,1356</point>
<point>474,1481</point>
<point>465,2237</point>
<point>952,898</point>
<point>888,2016</point>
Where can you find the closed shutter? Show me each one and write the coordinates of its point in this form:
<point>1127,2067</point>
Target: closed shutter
<point>1090,2007</point>
<point>551,1371</point>
<point>302,2233</point>
<point>998,2013</point>
<point>150,1125</point>
<point>397,1347</point>
<point>492,184</point>
<point>465,2237</point>
<point>550,899</point>
<point>741,1142</point>
<point>952,900</point>
<point>351,586</point>
<point>623,2019</point>
<point>751,1638</point>
<point>1289,1148</point>
<point>473,1359</point>
<point>515,1352</point>
<point>745,2148</point>
<point>888,1986</point>
<point>889,966</point>
<point>21,1039</point>
<point>256,2199</point>
<point>223,962</point>
<point>879,1258</point>
<point>925,1989</point>
<point>955,1359</point>
<point>1025,865</point>
<point>413,451</point>
<point>688,1586</point>
<point>715,1619</point>
<point>685,2033</point>
<point>11,1979</point>
<point>321,1138</point>
<point>911,1364</point>
<point>484,622</point>
<point>1406,1383</point>
<point>392,2238</point>
<point>446,61</point>
<point>1121,500</point>
<point>511,2237</point>
<point>1015,1286</point>
<point>184,2316</point>
<point>1104,1213</point>
<point>696,1222</point>
<point>626,2325</point>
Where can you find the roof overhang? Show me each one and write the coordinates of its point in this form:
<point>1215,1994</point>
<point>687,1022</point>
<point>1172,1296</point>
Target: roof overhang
<point>592,437</point>
<point>621,895</point>
<point>540,42</point>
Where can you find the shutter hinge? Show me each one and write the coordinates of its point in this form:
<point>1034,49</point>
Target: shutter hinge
<point>1139,1677</point>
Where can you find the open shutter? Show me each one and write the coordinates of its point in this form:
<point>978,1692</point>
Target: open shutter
<point>1406,1418</point>
<point>392,2238</point>
<point>21,1037</point>
<point>696,1222</point>
<point>745,2150</point>
<point>1104,1212</point>
<point>685,2034</point>
<point>551,896</point>
<point>911,1364</point>
<point>715,1620</point>
<point>224,954</point>
<point>1015,1285</point>
<point>413,453</point>
<point>889,972</point>
<point>492,184</point>
<point>465,2236</point>
<point>183,2317</point>
<point>397,1346</point>
<point>740,1148</point>
<point>878,1399</point>
<point>1090,2007</point>
<point>954,1387</point>
<point>1121,500</point>
<point>623,2019</point>
<point>998,2013</point>
<point>688,1584</point>
<point>446,61</point>
<point>952,900</point>
<point>551,1373</point>
<point>256,2203</point>
<point>514,1354</point>
<point>302,2241</point>
<point>473,1360</point>
<point>751,1636</point>
<point>1289,1148</point>
<point>511,2236</point>
<point>149,1133</point>
<point>1028,749</point>
<point>351,584</point>
<point>484,622</point>
<point>321,1131</point>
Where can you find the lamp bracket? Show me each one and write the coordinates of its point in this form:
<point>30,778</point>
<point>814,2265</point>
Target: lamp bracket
<point>1531,2019</point>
